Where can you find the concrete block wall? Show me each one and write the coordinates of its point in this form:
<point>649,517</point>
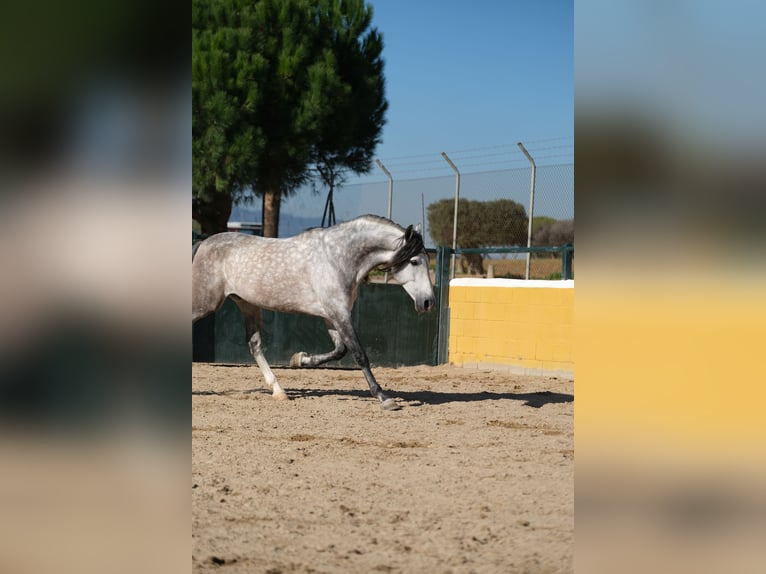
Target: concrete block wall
<point>515,325</point>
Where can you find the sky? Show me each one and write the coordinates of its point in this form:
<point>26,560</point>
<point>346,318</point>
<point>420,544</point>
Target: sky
<point>472,79</point>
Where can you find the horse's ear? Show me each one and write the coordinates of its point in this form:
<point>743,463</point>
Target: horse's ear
<point>419,229</point>
<point>408,233</point>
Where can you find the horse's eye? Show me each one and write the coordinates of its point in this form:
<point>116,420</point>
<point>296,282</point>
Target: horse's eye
<point>414,262</point>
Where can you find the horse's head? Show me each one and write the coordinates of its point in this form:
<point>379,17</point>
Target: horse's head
<point>410,269</point>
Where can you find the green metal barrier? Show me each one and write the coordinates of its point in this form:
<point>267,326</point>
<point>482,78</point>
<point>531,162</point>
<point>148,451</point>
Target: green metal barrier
<point>391,331</point>
<point>203,340</point>
<point>566,251</point>
<point>442,294</point>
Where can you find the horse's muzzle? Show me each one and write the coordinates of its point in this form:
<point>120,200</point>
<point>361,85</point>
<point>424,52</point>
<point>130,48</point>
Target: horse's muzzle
<point>425,306</point>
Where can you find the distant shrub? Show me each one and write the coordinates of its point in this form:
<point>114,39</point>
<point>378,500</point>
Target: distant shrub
<point>480,224</point>
<point>556,275</point>
<point>540,221</point>
<point>559,232</point>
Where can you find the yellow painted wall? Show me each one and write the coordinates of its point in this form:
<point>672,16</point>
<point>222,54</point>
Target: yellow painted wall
<point>524,326</point>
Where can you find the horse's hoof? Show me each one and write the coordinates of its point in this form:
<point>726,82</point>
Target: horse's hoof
<point>295,360</point>
<point>281,396</point>
<point>390,405</point>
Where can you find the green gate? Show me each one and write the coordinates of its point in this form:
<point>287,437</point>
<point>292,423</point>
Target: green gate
<point>389,328</point>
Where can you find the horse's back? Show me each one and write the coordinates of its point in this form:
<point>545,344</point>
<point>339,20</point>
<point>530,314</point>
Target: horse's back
<point>218,247</point>
<point>257,269</point>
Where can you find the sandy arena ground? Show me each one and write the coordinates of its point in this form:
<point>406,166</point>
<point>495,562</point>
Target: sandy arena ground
<point>474,474</point>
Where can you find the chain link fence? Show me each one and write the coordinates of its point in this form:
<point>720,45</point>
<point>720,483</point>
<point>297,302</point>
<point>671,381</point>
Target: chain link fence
<point>553,216</point>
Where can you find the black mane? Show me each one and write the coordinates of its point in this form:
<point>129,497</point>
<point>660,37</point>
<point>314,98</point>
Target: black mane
<point>411,245</point>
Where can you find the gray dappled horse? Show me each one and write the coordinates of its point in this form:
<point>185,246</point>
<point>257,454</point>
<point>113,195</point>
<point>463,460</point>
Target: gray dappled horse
<point>317,273</point>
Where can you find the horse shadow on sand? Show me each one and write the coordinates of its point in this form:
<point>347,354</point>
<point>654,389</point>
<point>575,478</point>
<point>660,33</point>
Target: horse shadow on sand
<point>535,400</point>
<point>419,398</point>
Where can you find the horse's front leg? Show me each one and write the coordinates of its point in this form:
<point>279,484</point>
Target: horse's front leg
<point>348,335</point>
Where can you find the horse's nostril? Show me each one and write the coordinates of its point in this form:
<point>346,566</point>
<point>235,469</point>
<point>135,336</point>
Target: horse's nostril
<point>427,304</point>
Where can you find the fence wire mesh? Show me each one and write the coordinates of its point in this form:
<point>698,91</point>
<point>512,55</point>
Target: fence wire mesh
<point>553,203</point>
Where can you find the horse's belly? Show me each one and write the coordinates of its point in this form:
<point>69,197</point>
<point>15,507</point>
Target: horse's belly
<point>285,301</point>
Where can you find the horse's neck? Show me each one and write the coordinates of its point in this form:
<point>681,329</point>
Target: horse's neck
<point>374,248</point>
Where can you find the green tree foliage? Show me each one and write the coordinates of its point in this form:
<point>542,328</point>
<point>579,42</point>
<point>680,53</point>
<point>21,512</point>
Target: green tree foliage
<point>501,222</point>
<point>280,89</point>
<point>539,221</point>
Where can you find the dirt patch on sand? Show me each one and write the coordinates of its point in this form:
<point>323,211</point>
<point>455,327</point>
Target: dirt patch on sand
<point>474,474</point>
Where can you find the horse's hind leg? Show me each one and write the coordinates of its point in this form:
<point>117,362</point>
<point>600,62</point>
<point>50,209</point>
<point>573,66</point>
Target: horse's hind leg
<point>207,290</point>
<point>253,323</point>
<point>302,359</point>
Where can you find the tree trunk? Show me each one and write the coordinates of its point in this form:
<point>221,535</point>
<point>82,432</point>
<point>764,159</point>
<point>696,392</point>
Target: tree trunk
<point>271,203</point>
<point>475,263</point>
<point>212,215</point>
<point>328,214</point>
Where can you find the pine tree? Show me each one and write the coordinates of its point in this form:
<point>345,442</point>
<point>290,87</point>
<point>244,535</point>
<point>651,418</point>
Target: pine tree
<point>280,89</point>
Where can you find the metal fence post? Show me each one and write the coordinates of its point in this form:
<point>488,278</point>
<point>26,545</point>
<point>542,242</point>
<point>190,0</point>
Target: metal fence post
<point>457,200</point>
<point>531,204</point>
<point>442,284</point>
<point>566,261</point>
<point>390,195</point>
